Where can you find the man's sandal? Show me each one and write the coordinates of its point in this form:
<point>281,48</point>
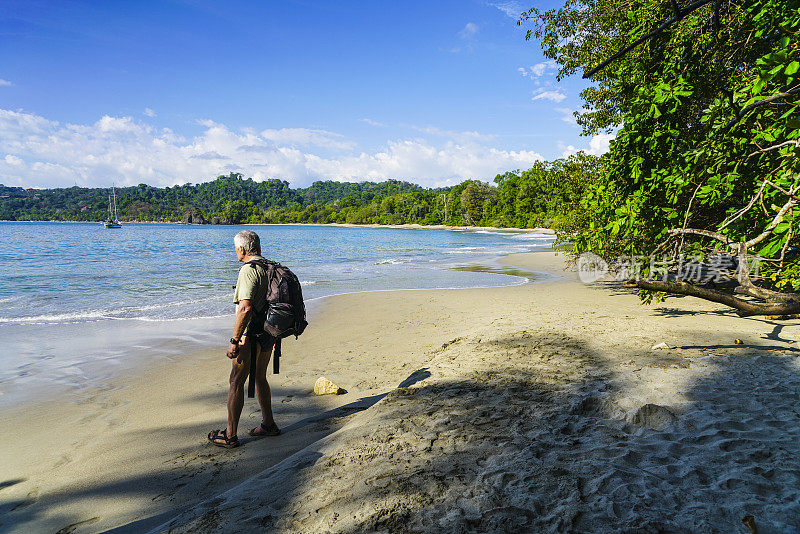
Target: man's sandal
<point>261,430</point>
<point>220,439</point>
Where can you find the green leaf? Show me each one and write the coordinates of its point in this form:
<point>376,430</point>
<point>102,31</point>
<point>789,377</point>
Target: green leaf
<point>775,70</point>
<point>793,67</point>
<point>770,249</point>
<point>654,110</point>
<point>781,227</point>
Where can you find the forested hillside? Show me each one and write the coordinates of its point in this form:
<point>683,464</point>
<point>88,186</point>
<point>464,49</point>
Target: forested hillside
<point>548,194</point>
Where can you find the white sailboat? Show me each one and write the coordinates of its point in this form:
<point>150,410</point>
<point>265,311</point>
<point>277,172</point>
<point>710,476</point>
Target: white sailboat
<point>112,221</point>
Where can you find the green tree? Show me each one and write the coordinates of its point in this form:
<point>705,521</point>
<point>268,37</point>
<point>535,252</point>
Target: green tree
<point>705,160</point>
<point>548,194</point>
<point>476,197</point>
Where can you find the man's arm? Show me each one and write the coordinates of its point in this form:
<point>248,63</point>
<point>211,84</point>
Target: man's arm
<point>243,313</point>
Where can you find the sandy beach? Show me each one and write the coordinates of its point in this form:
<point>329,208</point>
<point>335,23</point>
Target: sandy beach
<point>532,408</point>
<point>412,226</point>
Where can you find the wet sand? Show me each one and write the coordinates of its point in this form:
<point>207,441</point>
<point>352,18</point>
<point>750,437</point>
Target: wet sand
<point>539,407</point>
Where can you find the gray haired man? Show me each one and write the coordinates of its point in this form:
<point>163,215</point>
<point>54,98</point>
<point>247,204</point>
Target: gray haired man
<point>250,295</point>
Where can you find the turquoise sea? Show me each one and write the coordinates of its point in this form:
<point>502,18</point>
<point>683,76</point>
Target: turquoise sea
<point>73,295</point>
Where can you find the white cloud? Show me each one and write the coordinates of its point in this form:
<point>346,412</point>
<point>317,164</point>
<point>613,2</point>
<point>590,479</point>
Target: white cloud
<point>567,150</point>
<point>511,9</point>
<point>469,31</point>
<point>421,162</point>
<point>545,89</point>
<point>462,137</point>
<point>545,67</point>
<point>466,34</point>
<point>540,69</point>
<point>372,122</point>
<point>11,159</point>
<point>553,96</point>
<point>44,153</point>
<point>5,83</point>
<point>149,112</point>
<point>567,115</point>
<point>307,137</point>
<point>598,145</point>
<point>209,155</point>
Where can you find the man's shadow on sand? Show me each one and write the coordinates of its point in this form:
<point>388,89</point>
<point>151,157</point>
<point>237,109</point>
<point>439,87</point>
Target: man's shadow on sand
<point>353,407</point>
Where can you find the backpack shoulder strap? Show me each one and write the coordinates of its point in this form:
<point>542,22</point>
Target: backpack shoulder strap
<point>265,264</point>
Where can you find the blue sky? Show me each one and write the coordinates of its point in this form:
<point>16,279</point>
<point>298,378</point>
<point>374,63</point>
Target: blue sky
<point>180,91</point>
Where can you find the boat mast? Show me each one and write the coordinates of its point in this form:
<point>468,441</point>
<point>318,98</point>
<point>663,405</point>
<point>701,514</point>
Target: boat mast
<point>115,202</point>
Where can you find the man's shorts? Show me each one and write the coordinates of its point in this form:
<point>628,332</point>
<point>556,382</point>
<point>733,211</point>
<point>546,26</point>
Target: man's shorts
<point>265,340</point>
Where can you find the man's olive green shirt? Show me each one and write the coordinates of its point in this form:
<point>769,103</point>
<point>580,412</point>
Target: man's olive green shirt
<point>252,285</point>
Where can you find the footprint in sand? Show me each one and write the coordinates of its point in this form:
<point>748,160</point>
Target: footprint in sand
<point>71,528</point>
<point>30,499</point>
<point>731,445</point>
<point>12,482</point>
<point>62,460</point>
<point>737,426</point>
<point>89,418</point>
<point>114,422</point>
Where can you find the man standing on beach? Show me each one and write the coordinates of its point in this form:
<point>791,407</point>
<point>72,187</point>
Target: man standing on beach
<point>250,295</point>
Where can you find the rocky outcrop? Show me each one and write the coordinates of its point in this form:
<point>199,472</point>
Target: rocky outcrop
<point>193,217</point>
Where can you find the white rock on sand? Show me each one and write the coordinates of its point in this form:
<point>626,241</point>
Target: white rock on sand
<point>323,386</point>
<point>660,346</point>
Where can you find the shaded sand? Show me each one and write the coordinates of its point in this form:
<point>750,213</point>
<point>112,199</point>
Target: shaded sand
<point>549,411</point>
<point>538,407</point>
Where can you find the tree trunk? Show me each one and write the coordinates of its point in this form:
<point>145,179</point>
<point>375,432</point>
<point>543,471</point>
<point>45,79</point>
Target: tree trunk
<point>744,308</point>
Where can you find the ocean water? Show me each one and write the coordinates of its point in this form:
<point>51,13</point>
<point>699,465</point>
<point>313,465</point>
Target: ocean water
<point>75,294</point>
<point>82,272</point>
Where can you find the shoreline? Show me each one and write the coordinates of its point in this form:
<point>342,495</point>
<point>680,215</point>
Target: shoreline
<point>414,226</point>
<point>411,226</point>
<point>135,336</point>
<point>540,384</point>
<point>104,336</point>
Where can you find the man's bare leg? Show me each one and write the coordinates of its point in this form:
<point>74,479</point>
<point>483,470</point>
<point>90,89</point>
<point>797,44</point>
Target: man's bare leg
<point>240,370</point>
<point>263,392</point>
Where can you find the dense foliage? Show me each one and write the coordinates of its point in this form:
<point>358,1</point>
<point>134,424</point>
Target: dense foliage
<point>706,157</point>
<point>547,194</point>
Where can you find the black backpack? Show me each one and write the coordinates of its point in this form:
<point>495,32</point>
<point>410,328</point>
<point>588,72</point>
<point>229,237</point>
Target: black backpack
<point>285,311</point>
<point>284,314</point>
